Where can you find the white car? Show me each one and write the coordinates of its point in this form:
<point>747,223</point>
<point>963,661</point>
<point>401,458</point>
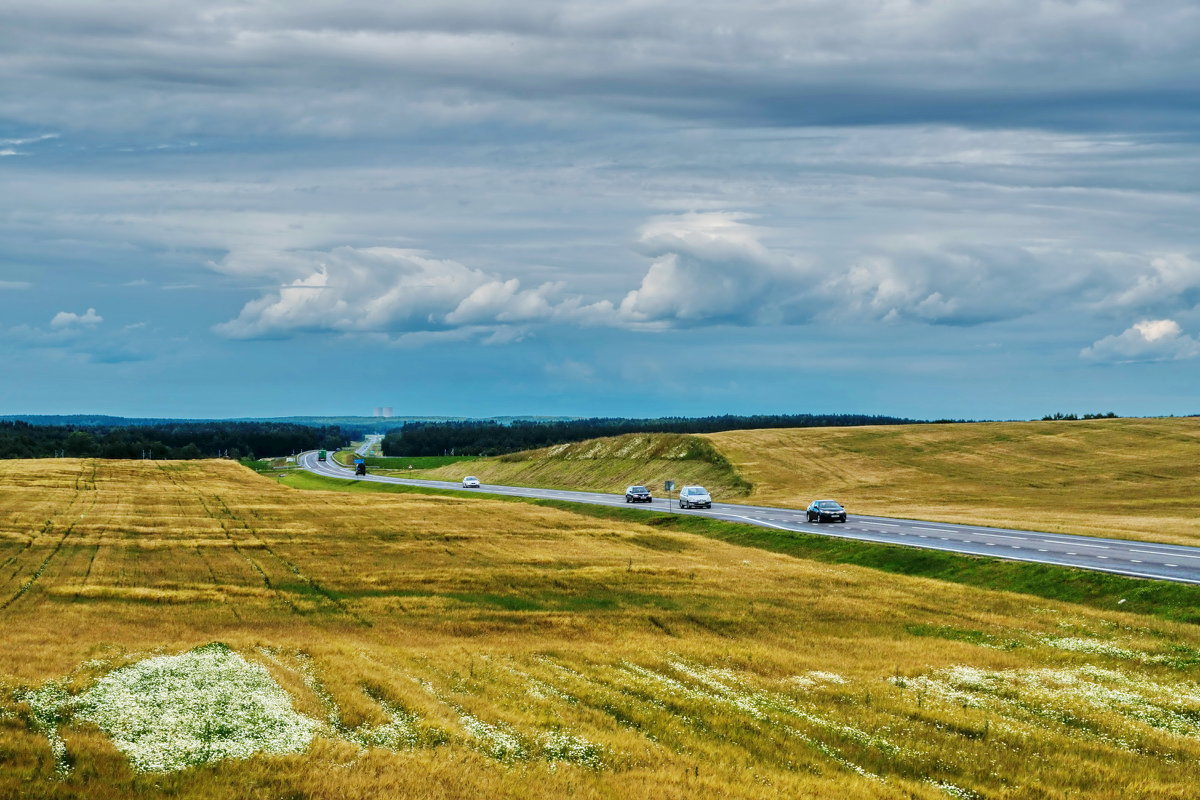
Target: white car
<point>694,497</point>
<point>470,482</point>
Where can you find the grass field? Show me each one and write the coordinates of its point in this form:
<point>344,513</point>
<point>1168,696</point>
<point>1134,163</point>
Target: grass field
<point>407,645</point>
<point>608,464</point>
<point>1128,478</point>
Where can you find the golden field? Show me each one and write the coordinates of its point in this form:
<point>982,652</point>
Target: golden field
<point>604,465</point>
<point>523,651</point>
<point>1125,478</point>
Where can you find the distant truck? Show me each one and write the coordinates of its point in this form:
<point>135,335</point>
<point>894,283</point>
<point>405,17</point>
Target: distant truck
<point>321,455</point>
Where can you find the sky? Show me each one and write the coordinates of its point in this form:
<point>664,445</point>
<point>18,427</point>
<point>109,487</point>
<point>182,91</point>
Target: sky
<point>926,208</point>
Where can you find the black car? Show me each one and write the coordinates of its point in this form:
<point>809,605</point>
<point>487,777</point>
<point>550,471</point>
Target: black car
<point>360,469</point>
<point>822,510</point>
<point>638,494</point>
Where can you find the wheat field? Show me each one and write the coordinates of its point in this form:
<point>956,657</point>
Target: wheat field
<point>1125,478</point>
<point>412,646</point>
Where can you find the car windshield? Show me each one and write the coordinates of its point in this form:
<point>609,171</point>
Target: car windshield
<point>470,478</point>
<point>641,489</point>
<point>697,490</point>
<point>828,504</point>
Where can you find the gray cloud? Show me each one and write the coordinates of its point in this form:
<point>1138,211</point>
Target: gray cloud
<point>272,66</point>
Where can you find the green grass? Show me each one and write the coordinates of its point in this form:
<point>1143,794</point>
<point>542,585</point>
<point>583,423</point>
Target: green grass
<point>1173,601</point>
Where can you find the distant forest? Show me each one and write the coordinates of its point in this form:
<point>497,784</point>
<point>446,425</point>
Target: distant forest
<point>484,438</point>
<point>175,440</point>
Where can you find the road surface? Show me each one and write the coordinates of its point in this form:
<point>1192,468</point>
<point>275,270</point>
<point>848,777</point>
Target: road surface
<point>1123,557</point>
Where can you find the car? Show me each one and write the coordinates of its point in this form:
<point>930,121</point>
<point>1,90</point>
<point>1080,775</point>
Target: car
<point>638,494</point>
<point>360,469</point>
<point>470,482</point>
<point>821,510</point>
<point>694,497</point>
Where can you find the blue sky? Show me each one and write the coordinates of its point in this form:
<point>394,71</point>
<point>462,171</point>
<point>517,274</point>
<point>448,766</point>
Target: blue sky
<point>934,209</point>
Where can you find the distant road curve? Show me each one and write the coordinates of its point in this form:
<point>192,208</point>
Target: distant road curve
<point>1123,557</point>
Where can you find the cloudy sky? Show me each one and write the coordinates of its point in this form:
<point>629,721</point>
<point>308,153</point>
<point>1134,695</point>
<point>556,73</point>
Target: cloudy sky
<point>935,208</point>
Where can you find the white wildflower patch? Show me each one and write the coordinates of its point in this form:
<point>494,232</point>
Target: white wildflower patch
<point>500,743</point>
<point>1060,695</point>
<point>559,746</point>
<point>724,687</point>
<point>816,677</point>
<point>171,712</point>
<point>1096,647</point>
<point>954,791</point>
<point>46,706</point>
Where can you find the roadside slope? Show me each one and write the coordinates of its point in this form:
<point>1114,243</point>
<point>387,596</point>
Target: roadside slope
<point>608,464</point>
<point>1126,478</point>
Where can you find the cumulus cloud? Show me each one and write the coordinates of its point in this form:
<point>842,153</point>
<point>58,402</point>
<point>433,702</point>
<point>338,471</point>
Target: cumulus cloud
<point>1148,340</point>
<point>705,269</point>
<point>712,268</point>
<point>68,319</point>
<point>389,290</point>
<point>1168,280</point>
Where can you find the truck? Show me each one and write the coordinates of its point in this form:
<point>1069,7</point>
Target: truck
<point>321,455</point>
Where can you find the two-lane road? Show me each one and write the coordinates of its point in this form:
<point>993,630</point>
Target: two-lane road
<point>1123,557</point>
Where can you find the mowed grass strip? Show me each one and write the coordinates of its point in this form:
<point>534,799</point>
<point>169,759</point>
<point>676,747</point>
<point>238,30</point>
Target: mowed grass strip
<point>459,646</point>
<point>1126,478</point>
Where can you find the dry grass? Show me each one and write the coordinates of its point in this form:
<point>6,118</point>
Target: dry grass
<point>1127,478</point>
<point>496,632</point>
<point>607,465</point>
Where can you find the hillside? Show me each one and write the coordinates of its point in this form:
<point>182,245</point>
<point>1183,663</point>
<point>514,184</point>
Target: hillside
<point>608,464</point>
<point>370,643</point>
<point>1127,478</point>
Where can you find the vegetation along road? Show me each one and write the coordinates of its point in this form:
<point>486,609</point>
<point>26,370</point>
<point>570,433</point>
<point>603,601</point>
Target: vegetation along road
<point>1137,559</point>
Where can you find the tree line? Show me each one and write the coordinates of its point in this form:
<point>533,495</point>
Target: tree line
<point>178,440</point>
<point>485,438</point>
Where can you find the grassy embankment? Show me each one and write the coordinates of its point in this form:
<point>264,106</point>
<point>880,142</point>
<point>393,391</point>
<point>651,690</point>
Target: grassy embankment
<point>608,464</point>
<point>1126,478</point>
<point>468,646</point>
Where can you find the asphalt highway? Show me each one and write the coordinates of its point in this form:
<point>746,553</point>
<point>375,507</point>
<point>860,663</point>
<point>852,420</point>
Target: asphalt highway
<point>1123,557</point>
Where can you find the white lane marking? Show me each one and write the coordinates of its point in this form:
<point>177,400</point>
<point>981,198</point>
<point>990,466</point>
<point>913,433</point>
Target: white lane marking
<point>1101,556</point>
<point>1040,550</point>
<point>939,530</point>
<point>1160,553</point>
<point>1136,560</point>
<point>763,522</point>
<point>887,524</point>
<point>1170,565</point>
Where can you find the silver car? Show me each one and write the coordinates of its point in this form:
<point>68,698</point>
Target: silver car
<point>694,497</point>
<point>470,482</point>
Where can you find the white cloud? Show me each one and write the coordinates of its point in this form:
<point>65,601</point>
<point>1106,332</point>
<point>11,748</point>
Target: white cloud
<point>388,290</point>
<point>712,268</point>
<point>68,319</point>
<point>1148,340</point>
<point>1168,279</point>
<point>15,285</point>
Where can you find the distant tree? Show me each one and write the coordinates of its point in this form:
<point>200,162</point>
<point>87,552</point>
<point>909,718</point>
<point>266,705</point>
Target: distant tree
<point>189,450</point>
<point>80,443</point>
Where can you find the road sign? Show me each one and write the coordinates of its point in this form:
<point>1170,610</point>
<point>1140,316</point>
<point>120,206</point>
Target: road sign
<point>360,461</point>
<point>668,486</point>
